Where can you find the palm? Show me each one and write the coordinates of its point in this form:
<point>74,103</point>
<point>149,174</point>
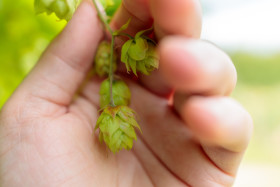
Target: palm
<point>63,150</point>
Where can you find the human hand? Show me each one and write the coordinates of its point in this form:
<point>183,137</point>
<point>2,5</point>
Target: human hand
<point>47,136</point>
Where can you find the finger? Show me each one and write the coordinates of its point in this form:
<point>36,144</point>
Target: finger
<point>64,64</point>
<point>172,142</point>
<point>222,126</point>
<point>180,17</point>
<point>192,66</point>
<point>177,17</point>
<point>139,13</point>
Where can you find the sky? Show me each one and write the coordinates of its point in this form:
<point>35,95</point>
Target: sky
<point>252,25</point>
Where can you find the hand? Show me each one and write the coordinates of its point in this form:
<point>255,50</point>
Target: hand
<point>47,136</point>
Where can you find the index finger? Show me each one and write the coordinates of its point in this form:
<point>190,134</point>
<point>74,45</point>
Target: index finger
<point>179,17</point>
<point>136,10</point>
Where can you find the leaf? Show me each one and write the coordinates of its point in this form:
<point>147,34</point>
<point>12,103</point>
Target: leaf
<point>153,62</point>
<point>124,27</point>
<point>152,52</point>
<point>132,64</point>
<point>140,33</point>
<point>125,49</point>
<point>128,130</point>
<point>127,141</point>
<point>113,127</point>
<point>142,67</point>
<point>101,137</point>
<point>124,54</point>
<point>138,49</point>
<point>115,137</point>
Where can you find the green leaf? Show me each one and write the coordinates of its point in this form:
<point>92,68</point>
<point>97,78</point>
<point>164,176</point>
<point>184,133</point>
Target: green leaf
<point>142,67</point>
<point>101,138</point>
<point>152,52</point>
<point>124,52</point>
<point>115,137</point>
<point>124,27</point>
<point>128,130</point>
<point>138,49</point>
<point>132,64</point>
<point>113,127</point>
<point>153,62</point>
<point>140,33</point>
<point>127,141</point>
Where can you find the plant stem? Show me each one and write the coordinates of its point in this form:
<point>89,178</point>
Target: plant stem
<point>124,34</point>
<point>107,26</point>
<point>111,74</point>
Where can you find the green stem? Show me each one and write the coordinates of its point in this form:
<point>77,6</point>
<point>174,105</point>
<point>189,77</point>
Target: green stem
<point>107,26</point>
<point>124,34</point>
<point>111,74</point>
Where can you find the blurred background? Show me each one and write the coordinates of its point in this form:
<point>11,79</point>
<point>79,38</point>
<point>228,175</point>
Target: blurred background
<point>248,30</point>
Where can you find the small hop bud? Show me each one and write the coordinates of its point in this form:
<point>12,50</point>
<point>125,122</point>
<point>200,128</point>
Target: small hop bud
<point>116,125</point>
<point>103,58</point>
<point>121,93</point>
<point>64,9</point>
<point>139,54</point>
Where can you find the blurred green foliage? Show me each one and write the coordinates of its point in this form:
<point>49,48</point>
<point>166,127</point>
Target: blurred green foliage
<point>23,37</point>
<point>257,69</point>
<point>258,90</point>
<point>110,10</point>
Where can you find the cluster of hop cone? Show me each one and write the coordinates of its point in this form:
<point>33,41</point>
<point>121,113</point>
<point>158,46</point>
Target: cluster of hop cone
<point>117,121</point>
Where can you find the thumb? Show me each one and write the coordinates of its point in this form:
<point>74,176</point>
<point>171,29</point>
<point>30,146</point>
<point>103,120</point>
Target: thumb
<point>64,64</point>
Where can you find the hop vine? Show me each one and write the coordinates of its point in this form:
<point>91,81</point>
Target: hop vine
<point>117,122</point>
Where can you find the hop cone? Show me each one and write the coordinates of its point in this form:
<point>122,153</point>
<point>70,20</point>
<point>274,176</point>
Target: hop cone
<point>121,93</point>
<point>102,59</point>
<point>116,125</point>
<point>64,9</point>
<point>139,54</point>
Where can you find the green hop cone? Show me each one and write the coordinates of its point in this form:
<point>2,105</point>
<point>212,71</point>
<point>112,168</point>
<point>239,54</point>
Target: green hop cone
<point>64,9</point>
<point>103,58</point>
<point>117,127</point>
<point>121,93</point>
<point>139,54</point>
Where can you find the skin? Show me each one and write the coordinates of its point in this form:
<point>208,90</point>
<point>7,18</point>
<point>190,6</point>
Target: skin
<point>193,133</point>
